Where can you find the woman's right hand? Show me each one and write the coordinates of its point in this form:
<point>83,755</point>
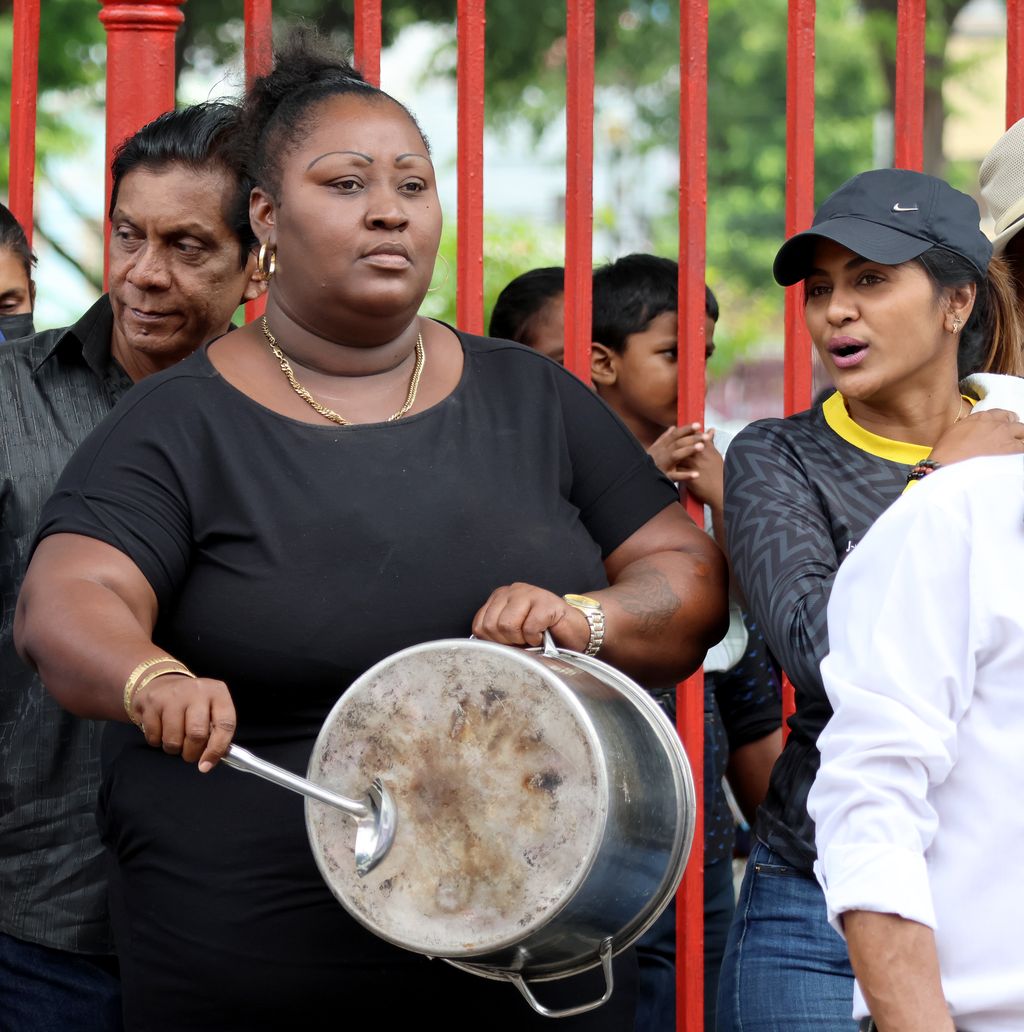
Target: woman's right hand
<point>193,717</point>
<point>992,432</point>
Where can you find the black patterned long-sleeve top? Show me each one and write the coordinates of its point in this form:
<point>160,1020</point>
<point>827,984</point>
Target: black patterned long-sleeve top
<point>799,494</point>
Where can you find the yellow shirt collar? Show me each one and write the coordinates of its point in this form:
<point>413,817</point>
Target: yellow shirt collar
<point>839,420</point>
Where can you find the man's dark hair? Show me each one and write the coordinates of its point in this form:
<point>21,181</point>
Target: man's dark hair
<point>200,138</point>
<point>13,239</point>
<point>522,299</point>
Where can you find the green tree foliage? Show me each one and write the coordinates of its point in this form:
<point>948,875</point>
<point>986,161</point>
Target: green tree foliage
<point>71,57</point>
<point>747,129</point>
<point>637,53</point>
<point>512,246</point>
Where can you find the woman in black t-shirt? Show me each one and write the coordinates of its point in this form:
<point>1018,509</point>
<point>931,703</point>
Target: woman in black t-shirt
<point>901,303</point>
<point>228,518</point>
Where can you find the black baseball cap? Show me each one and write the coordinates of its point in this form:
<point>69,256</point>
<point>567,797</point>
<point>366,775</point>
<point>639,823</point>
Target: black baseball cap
<point>889,215</point>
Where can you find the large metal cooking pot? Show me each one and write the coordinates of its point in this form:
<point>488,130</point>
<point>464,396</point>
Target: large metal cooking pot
<point>545,809</point>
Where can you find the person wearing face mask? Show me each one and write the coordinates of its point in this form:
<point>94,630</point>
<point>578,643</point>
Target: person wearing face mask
<point>903,301</point>
<point>17,288</point>
<point>181,261</point>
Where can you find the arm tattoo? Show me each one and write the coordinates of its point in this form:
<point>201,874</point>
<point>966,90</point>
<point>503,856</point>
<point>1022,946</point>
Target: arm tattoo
<point>647,595</point>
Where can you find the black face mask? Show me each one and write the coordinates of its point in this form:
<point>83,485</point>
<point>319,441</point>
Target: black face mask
<point>14,326</point>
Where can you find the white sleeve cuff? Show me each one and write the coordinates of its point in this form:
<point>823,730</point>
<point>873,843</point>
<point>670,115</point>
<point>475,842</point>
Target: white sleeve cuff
<point>876,877</point>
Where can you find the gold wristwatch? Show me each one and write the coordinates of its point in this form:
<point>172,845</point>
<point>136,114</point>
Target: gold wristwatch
<point>591,609</point>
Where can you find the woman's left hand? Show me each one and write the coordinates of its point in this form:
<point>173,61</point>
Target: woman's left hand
<point>519,614</point>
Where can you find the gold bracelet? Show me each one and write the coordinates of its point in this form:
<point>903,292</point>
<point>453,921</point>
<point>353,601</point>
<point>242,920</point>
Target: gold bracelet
<point>131,685</point>
<point>175,668</point>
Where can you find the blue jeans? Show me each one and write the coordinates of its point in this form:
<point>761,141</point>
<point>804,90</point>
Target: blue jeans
<point>785,969</point>
<point>47,990</point>
<point>656,953</point>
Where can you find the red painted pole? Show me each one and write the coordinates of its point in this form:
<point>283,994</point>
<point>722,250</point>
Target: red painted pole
<point>469,300</point>
<point>140,69</point>
<point>799,191</point>
<point>799,214</point>
<point>579,185</point>
<point>1014,57</point>
<point>909,114</point>
<point>259,39</point>
<point>693,185</point>
<point>24,87</point>
<point>259,59</point>
<point>366,35</point>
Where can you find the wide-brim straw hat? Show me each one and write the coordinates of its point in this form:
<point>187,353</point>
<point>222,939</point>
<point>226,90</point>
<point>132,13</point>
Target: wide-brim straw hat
<point>1002,185</point>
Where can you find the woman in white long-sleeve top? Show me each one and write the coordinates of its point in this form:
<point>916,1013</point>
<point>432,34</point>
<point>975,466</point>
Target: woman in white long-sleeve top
<point>915,804</point>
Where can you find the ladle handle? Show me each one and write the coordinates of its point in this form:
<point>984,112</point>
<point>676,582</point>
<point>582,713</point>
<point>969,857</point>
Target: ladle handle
<point>242,759</point>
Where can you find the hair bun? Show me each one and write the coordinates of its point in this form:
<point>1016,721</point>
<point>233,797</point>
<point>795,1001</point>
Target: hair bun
<point>308,68</point>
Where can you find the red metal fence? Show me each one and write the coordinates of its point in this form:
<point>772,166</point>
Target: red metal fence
<point>140,85</point>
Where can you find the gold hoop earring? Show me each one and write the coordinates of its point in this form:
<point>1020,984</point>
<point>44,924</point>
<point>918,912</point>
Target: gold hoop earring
<point>447,273</point>
<point>266,267</point>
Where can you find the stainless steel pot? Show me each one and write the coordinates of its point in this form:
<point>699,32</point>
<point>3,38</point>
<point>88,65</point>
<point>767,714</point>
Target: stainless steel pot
<point>545,809</point>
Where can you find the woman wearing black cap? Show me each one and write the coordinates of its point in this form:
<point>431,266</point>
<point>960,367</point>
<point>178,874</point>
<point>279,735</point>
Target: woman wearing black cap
<point>902,302</point>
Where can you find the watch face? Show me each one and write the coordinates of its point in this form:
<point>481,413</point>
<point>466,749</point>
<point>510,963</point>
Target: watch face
<point>582,600</point>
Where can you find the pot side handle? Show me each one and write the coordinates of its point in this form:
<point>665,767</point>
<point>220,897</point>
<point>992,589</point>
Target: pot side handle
<point>606,964</point>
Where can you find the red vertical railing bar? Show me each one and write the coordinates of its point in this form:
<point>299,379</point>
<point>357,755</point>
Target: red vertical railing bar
<point>259,59</point>
<point>909,101</point>
<point>693,182</point>
<point>259,39</point>
<point>24,86</point>
<point>140,69</point>
<point>799,214</point>
<point>1014,57</point>
<point>469,297</point>
<point>366,36</point>
<point>579,184</point>
<point>799,190</point>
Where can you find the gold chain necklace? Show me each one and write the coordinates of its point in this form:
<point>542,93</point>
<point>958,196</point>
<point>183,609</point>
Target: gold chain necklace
<point>328,413</point>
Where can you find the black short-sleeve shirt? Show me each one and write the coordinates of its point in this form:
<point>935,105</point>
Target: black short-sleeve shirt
<point>288,557</point>
<point>799,494</point>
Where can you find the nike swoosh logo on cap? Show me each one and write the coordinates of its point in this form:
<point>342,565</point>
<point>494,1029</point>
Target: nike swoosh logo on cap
<point>898,207</point>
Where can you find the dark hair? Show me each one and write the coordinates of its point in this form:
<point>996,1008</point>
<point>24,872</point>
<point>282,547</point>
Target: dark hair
<point>710,304</point>
<point>201,138</point>
<point>13,239</point>
<point>279,106</point>
<point>629,293</point>
<point>633,291</point>
<point>521,301</point>
<point>991,340</point>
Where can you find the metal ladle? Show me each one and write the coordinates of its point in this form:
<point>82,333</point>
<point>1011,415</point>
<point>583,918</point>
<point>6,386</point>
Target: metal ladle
<point>375,815</point>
